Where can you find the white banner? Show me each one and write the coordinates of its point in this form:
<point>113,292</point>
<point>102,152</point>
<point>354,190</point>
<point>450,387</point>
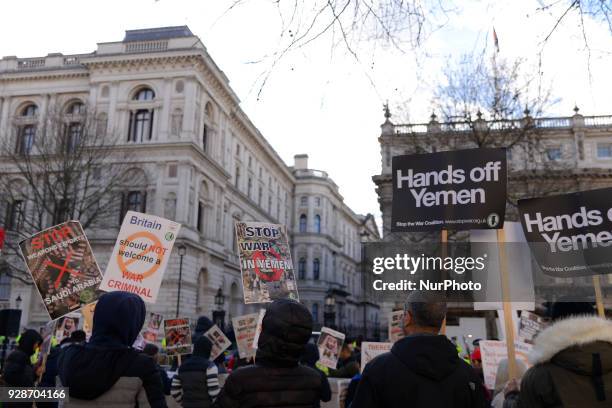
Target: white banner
<point>370,350</point>
<point>245,328</point>
<point>219,341</point>
<point>493,352</point>
<point>140,256</point>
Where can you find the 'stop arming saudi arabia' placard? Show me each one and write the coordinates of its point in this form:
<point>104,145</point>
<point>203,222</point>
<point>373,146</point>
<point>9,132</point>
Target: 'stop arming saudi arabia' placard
<point>265,262</point>
<point>140,256</point>
<point>460,189</point>
<point>570,234</point>
<point>63,268</point>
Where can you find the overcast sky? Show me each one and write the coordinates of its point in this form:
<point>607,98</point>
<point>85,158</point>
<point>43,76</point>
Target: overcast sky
<point>320,100</point>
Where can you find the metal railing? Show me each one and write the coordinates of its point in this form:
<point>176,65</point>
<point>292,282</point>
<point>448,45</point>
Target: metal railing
<point>146,46</point>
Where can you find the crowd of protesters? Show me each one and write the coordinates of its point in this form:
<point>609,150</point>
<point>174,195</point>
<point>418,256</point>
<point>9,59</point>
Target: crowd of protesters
<point>572,364</point>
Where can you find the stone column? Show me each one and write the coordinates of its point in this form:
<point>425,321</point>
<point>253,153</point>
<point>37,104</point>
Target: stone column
<point>165,111</point>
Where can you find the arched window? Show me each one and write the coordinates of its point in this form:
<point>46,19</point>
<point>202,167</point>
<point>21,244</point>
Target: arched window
<point>141,120</point>
<point>145,94</point>
<point>75,108</point>
<point>317,223</point>
<point>302,268</point>
<point>27,132</point>
<point>303,223</point>
<point>315,312</point>
<point>316,268</point>
<point>30,110</point>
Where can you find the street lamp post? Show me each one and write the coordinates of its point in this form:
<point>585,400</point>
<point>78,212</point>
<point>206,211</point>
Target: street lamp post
<point>219,314</point>
<point>18,302</point>
<point>182,250</point>
<point>329,316</point>
<point>364,235</point>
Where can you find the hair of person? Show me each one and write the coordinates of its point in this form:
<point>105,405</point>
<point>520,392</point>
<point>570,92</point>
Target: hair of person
<point>78,336</point>
<point>427,308</point>
<point>150,349</point>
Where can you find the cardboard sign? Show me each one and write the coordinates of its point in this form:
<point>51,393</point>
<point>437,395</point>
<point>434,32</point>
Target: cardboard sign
<point>571,234</point>
<point>460,189</point>
<point>262,314</point>
<point>370,350</point>
<point>66,325</point>
<point>265,262</point>
<point>329,344</point>
<point>88,311</point>
<point>245,328</point>
<point>530,326</point>
<point>139,343</point>
<point>151,330</point>
<point>63,267</point>
<point>493,352</point>
<point>178,336</point>
<point>140,256</point>
<point>219,341</point>
<point>47,335</point>
<point>396,326</point>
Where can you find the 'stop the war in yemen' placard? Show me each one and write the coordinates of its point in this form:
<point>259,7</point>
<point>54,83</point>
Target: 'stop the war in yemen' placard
<point>460,189</point>
<point>570,234</point>
<point>265,262</point>
<point>63,267</point>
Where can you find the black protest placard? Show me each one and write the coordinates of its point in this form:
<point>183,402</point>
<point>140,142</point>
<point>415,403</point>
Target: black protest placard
<point>570,234</point>
<point>461,189</point>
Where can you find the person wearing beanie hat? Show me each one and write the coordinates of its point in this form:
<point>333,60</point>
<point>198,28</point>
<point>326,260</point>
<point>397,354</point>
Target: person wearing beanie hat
<point>276,379</point>
<point>197,381</point>
<point>572,362</point>
<point>151,351</point>
<point>107,371</point>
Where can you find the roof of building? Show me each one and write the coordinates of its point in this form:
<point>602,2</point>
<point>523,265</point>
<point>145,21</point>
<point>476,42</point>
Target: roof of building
<point>158,33</point>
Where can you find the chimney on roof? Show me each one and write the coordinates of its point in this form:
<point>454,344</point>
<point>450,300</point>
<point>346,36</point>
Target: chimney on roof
<point>300,161</point>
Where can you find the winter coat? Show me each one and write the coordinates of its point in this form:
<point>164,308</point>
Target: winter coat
<point>197,381</point>
<point>572,367</point>
<point>107,371</point>
<point>347,368</point>
<point>424,370</point>
<point>18,370</point>
<point>309,358</point>
<point>276,379</point>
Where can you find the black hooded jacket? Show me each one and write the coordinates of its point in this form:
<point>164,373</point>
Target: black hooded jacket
<point>420,371</point>
<point>276,379</point>
<point>18,371</point>
<point>107,371</point>
<point>309,358</point>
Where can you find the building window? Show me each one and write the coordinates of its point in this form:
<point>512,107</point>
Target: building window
<point>133,201</point>
<point>15,215</point>
<point>604,151</point>
<point>30,111</point>
<point>304,201</point>
<point>318,201</point>
<point>316,268</point>
<point>259,196</point>
<point>204,137</point>
<point>145,94</point>
<point>315,312</point>
<point>172,170</point>
<point>77,108</point>
<point>237,149</point>
<point>249,187</point>
<point>25,141</point>
<point>553,153</point>
<point>200,221</point>
<point>317,223</point>
<point>72,137</point>
<point>270,203</point>
<point>303,222</point>
<point>141,125</point>
<point>237,179</point>
<point>302,268</point>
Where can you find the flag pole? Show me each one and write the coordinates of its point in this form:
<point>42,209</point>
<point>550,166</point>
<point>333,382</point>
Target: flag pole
<point>599,297</point>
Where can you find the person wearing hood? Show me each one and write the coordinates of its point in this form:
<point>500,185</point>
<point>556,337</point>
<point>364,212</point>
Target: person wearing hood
<point>107,371</point>
<point>277,379</point>
<point>422,369</point>
<point>197,382</point>
<point>202,326</point>
<point>18,369</point>
<point>572,362</point>
<point>309,358</point>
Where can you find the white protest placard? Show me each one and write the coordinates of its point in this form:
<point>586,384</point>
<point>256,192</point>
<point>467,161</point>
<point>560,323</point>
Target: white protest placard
<point>370,350</point>
<point>219,341</point>
<point>493,352</point>
<point>178,336</point>
<point>140,255</point>
<point>245,328</point>
<point>529,326</point>
<point>262,313</point>
<point>329,345</point>
<point>396,326</point>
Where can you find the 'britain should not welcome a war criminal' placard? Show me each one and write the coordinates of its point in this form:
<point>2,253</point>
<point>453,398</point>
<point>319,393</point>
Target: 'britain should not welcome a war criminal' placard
<point>140,255</point>
<point>570,234</point>
<point>460,189</point>
<point>63,268</point>
<point>265,262</point>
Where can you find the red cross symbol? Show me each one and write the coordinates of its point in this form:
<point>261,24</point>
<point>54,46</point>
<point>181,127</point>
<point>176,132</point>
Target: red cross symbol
<point>63,269</point>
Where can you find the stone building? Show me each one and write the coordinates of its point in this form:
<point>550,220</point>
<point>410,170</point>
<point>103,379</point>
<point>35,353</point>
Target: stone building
<point>194,157</point>
<point>553,155</point>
